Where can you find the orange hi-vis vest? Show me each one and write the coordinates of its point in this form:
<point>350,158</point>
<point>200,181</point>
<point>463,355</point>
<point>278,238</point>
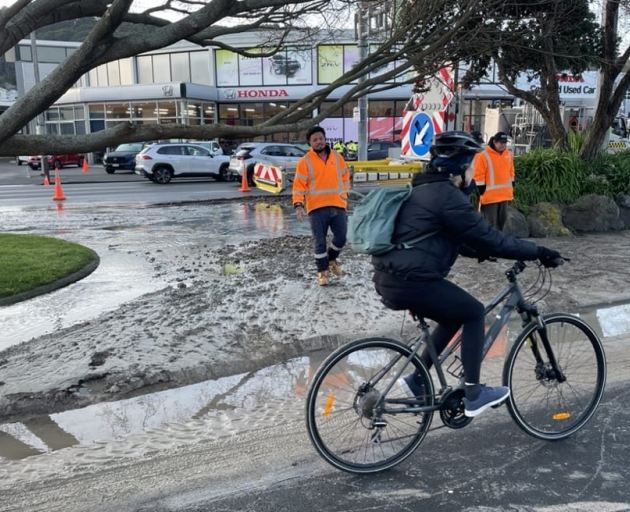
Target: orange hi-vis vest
<point>495,171</point>
<point>318,184</point>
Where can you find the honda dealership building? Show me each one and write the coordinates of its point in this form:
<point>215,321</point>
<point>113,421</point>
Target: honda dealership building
<point>185,83</point>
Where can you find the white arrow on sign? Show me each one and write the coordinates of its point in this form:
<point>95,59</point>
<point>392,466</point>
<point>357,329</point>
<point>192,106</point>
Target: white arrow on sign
<point>419,138</point>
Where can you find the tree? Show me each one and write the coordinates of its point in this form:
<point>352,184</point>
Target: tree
<point>540,39</point>
<point>423,38</point>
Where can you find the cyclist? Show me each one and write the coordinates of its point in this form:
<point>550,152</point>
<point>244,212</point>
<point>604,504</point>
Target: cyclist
<point>415,278</point>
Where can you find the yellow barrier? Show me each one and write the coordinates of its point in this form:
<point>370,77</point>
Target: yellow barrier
<point>618,145</point>
<point>381,172</point>
<point>269,178</point>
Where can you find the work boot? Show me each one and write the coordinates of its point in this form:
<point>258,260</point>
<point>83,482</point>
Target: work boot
<point>322,278</point>
<point>335,268</point>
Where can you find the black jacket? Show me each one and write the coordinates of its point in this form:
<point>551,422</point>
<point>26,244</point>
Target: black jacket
<point>437,205</point>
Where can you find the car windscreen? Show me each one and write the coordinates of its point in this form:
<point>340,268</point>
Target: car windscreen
<point>243,153</point>
<point>129,147</point>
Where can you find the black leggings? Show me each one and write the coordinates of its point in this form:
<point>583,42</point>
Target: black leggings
<point>452,308</point>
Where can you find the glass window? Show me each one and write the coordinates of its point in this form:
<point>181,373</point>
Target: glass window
<point>252,111</point>
<point>51,129</point>
<point>193,109</point>
<point>52,114</point>
<point>348,109</point>
<point>144,109</point>
<point>180,68</point>
<point>209,113</point>
<point>79,112</point>
<point>293,151</point>
<point>97,111</point>
<point>336,113</point>
<point>101,72</point>
<point>25,54</point>
<point>113,73</point>
<point>50,54</point>
<point>66,113</point>
<point>66,128</point>
<point>145,70</point>
<point>161,68</point>
<point>70,51</point>
<point>79,127</point>
<point>126,73</point>
<point>273,151</point>
<point>228,114</point>
<point>167,108</point>
<point>197,151</point>
<point>273,108</point>
<point>117,111</point>
<point>200,68</point>
<point>378,108</point>
<point>400,107</point>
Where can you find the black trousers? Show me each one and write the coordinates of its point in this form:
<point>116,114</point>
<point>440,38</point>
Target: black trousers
<point>495,214</point>
<point>452,308</point>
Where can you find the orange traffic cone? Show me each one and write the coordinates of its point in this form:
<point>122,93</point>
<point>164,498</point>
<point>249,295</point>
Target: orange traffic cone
<point>46,181</point>
<point>85,165</point>
<point>244,185</point>
<point>58,196</point>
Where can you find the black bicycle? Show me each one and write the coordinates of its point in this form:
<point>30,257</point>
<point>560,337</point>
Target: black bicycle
<point>360,419</point>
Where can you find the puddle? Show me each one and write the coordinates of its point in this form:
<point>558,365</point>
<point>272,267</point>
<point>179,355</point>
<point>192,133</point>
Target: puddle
<point>230,404</point>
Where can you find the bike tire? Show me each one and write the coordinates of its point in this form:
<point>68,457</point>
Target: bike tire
<point>538,403</point>
<point>337,411</point>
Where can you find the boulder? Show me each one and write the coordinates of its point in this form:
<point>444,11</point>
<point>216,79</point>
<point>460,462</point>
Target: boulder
<point>545,219</point>
<point>516,223</point>
<point>623,203</point>
<point>592,213</point>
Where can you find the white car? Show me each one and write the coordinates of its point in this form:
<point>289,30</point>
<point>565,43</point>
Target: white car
<point>162,162</point>
<point>277,154</point>
<point>21,160</point>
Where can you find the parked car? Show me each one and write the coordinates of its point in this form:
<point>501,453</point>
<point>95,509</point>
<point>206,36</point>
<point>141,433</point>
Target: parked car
<point>162,162</point>
<point>380,150</point>
<point>248,154</point>
<point>123,158</point>
<point>56,161</point>
<point>21,160</point>
<point>211,145</point>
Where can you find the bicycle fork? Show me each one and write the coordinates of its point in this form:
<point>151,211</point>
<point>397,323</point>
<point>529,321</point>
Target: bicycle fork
<point>553,371</point>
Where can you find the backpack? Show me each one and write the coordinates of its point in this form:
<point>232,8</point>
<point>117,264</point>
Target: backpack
<point>371,225</point>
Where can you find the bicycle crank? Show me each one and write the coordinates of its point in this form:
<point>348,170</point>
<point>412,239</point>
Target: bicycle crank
<point>452,410</point>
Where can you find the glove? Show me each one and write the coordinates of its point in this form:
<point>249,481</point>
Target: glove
<point>548,257</point>
<point>300,212</point>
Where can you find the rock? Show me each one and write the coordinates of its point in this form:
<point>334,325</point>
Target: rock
<point>545,220</point>
<point>516,223</point>
<point>592,213</point>
<point>623,203</point>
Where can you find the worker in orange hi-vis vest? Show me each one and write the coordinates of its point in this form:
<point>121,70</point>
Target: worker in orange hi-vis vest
<point>320,190</point>
<point>494,177</point>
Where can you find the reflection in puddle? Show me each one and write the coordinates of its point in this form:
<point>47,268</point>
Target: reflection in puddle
<point>249,399</point>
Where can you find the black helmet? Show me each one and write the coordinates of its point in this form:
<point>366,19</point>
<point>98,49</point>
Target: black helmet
<point>454,145</point>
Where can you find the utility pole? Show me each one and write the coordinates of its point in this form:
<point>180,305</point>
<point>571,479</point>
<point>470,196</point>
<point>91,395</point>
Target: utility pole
<point>363,106</point>
<point>40,124</point>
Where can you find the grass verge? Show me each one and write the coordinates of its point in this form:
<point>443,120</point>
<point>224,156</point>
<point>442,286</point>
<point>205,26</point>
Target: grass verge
<point>30,261</point>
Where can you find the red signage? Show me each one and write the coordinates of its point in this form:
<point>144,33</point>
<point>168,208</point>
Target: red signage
<point>263,93</point>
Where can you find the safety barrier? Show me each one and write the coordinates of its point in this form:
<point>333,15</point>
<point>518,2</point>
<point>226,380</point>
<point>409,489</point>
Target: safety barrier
<point>383,172</point>
<point>618,145</point>
<point>270,178</point>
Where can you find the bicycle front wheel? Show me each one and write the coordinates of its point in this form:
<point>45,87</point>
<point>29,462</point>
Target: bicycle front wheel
<point>351,424</point>
<point>539,403</point>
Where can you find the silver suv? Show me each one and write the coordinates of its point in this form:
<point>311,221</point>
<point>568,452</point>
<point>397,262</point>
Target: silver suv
<point>162,162</point>
<point>248,154</point>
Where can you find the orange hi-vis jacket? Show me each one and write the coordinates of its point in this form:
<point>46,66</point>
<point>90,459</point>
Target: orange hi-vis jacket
<point>495,171</point>
<point>318,184</point>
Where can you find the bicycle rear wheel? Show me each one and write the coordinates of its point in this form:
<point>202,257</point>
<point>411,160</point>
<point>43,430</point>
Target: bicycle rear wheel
<point>541,405</point>
<point>344,416</point>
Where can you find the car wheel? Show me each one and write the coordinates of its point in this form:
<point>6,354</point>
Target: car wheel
<point>19,162</point>
<point>110,170</point>
<point>80,162</point>
<point>225,174</point>
<point>250,176</point>
<point>57,164</point>
<point>162,175</point>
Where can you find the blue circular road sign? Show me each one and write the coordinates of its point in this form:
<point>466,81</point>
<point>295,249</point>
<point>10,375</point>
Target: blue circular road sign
<point>421,133</point>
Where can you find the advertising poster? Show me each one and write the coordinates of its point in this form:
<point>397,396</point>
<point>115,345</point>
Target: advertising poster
<point>350,57</point>
<point>380,128</point>
<point>299,66</point>
<point>334,129</point>
<point>275,69</point>
<point>250,69</point>
<point>226,67</point>
<point>329,63</point>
